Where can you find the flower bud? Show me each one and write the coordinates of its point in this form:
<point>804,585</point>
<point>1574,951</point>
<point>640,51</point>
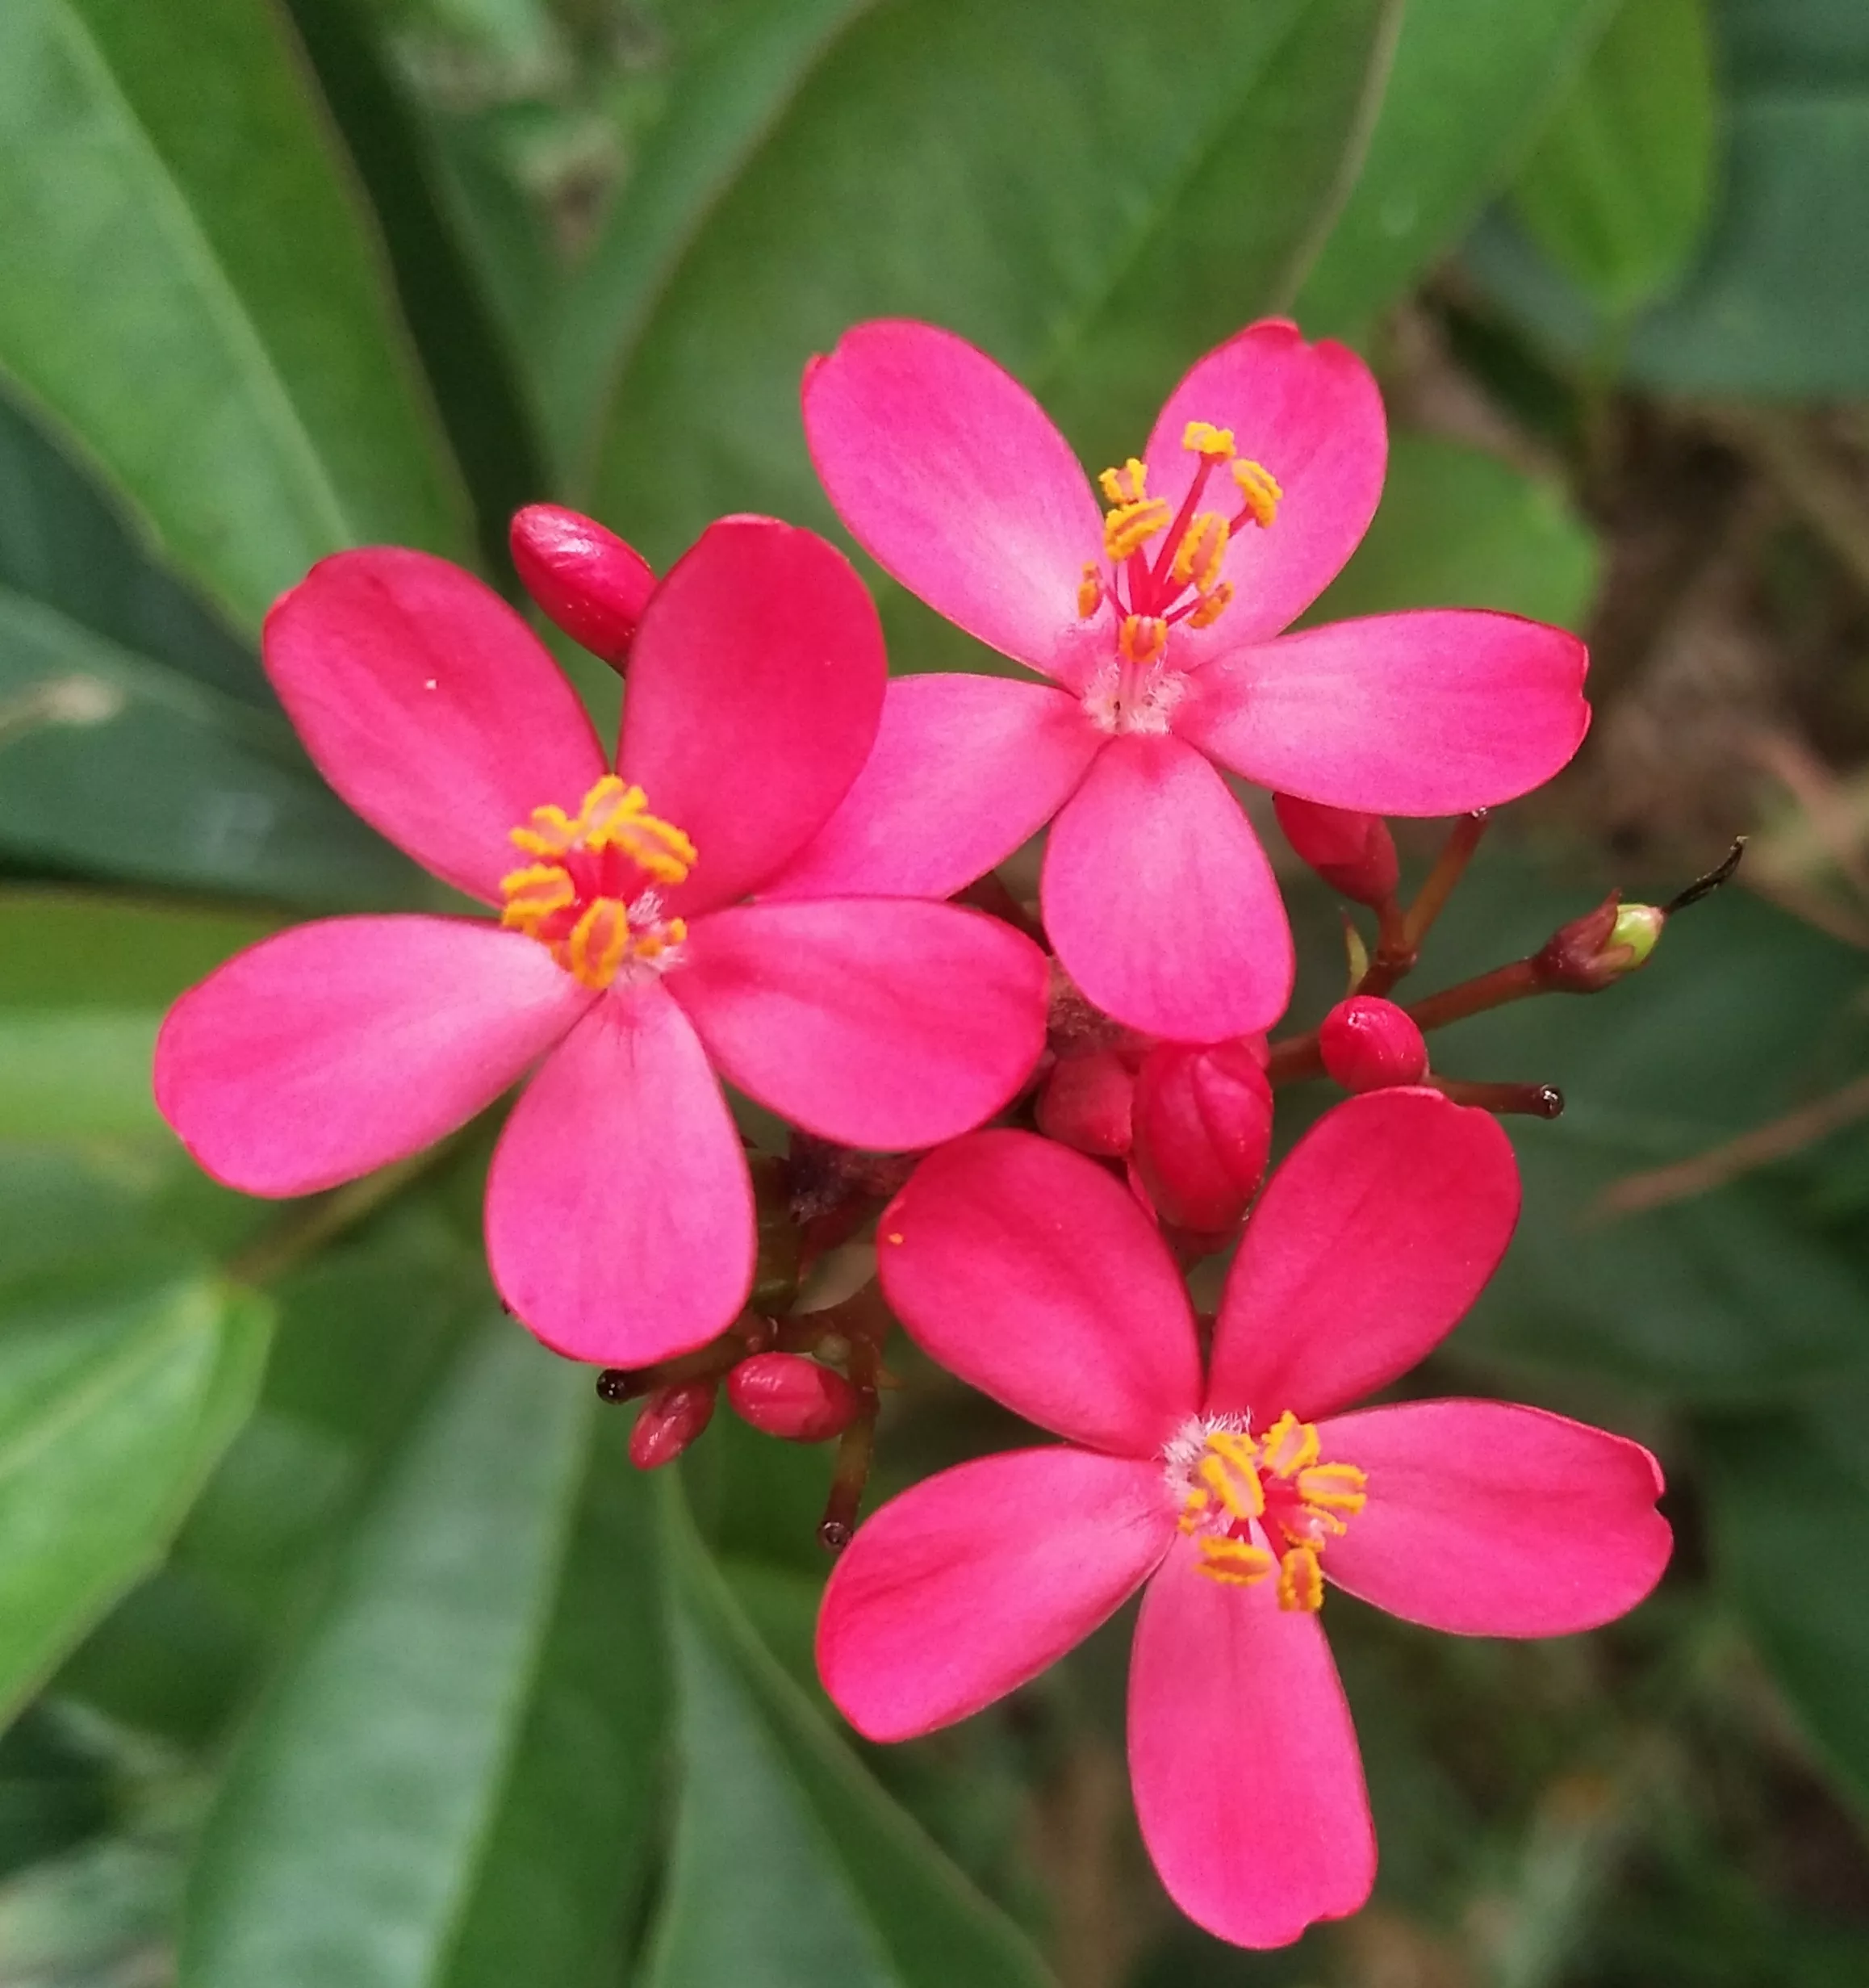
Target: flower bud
<point>1368,1044</point>
<point>784,1394</point>
<point>585,579</point>
<point>671,1420</point>
<point>1086,1103</point>
<point>1595,951</point>
<point>1202,1129</point>
<point>1354,853</point>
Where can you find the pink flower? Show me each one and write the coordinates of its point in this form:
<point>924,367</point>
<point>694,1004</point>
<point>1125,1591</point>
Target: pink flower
<point>1034,1275</point>
<point>619,1210</point>
<point>1155,618</point>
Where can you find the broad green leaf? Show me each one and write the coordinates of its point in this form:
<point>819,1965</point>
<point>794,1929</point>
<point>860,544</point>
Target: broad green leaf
<point>405,1803</point>
<point>833,1885</point>
<point>1471,83</point>
<point>1459,528</point>
<point>1059,181</point>
<point>1790,1532</point>
<point>192,292</point>
<point>119,1389</point>
<point>1617,193</point>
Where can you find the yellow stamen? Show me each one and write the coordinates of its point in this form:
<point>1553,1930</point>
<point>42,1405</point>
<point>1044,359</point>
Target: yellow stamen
<point>533,894</point>
<point>614,814</point>
<point>1289,1445</point>
<point>1309,1526</point>
<point>597,943</point>
<point>1260,489</point>
<point>1089,590</point>
<point>1128,485</point>
<point>1212,606</point>
<point>1300,1581</point>
<point>1203,547</point>
<point>1239,1492</point>
<point>1236,1563</point>
<point>1333,1487</point>
<point>1142,639</point>
<point>1129,526</point>
<point>1215,443</point>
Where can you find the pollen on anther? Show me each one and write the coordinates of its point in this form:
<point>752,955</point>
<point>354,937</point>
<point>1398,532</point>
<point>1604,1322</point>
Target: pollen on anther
<point>1235,1563</point>
<point>1129,526</point>
<point>1142,639</point>
<point>1089,590</point>
<point>1260,489</point>
<point>1204,439</point>
<point>1211,606</point>
<point>1301,1581</point>
<point>1203,550</point>
<point>1128,485</point>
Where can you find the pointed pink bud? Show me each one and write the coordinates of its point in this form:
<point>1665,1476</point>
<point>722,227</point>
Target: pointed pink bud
<point>1086,1103</point>
<point>671,1420</point>
<point>1368,1044</point>
<point>1354,853</point>
<point>1202,1130</point>
<point>784,1394</point>
<point>585,579</point>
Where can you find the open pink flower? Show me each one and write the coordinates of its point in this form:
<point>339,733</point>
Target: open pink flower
<point>1157,619</point>
<point>1029,1271</point>
<point>619,1210</point>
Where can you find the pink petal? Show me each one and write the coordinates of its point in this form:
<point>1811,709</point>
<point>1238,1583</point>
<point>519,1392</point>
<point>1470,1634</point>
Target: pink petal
<point>951,476</point>
<point>878,1022</point>
<point>340,1046</point>
<point>619,1211</point>
<point>976,1580</point>
<point>1249,1784</point>
<point>755,687</point>
<point>1485,1519</point>
<point>1425,713</point>
<point>1159,901</point>
<point>1030,1273</point>
<point>430,706</point>
<point>965,768</point>
<point>1313,417</point>
<point>1368,1244</point>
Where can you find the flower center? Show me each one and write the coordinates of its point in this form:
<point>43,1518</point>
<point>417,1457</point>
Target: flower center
<point>593,892</point>
<point>1255,1503</point>
<point>1148,591</point>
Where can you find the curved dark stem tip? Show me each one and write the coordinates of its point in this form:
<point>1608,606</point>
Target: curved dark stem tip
<point>1705,886</point>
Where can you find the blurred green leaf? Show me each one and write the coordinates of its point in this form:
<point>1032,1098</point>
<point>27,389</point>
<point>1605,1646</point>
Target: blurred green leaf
<point>118,1390</point>
<point>193,293</point>
<point>410,1785</point>
<point>1059,181</point>
<point>1459,528</point>
<point>1618,193</point>
<point>833,1886</point>
<point>1471,83</point>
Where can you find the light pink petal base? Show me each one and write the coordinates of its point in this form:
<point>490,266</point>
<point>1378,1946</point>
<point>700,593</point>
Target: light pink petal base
<point>1485,1519</point>
<point>619,1211</point>
<point>974,1581</point>
<point>1366,1246</point>
<point>965,768</point>
<point>1024,1269</point>
<point>878,1022</point>
<point>1248,1784</point>
<point>1159,900</point>
<point>342,1045</point>
<point>1432,713</point>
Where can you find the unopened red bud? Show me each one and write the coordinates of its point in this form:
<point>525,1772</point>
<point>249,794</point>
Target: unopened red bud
<point>671,1420</point>
<point>1086,1103</point>
<point>1354,853</point>
<point>585,579</point>
<point>1368,1044</point>
<point>1202,1132</point>
<point>784,1394</point>
<point>1595,951</point>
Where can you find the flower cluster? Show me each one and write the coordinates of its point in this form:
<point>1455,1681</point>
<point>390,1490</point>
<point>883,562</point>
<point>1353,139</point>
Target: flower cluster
<point>758,891</point>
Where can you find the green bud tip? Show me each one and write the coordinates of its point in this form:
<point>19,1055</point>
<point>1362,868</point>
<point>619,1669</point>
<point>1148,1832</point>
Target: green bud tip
<point>1638,926</point>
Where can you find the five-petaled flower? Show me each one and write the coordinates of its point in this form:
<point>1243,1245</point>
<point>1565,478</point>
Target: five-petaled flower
<point>1030,1273</point>
<point>1157,618</point>
<point>619,1211</point>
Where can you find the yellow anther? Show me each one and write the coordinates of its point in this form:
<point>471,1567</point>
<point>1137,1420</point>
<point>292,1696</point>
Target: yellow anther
<point>1128,485</point>
<point>1309,1526</point>
<point>533,894</point>
<point>1300,1580</point>
<point>1203,547</point>
<point>1235,1445</point>
<point>613,815</point>
<point>1211,606</point>
<point>597,943</point>
<point>550,832</point>
<point>1129,526</point>
<point>1089,590</point>
<point>1215,443</point>
<point>1237,1563</point>
<point>1142,639</point>
<point>1239,1492</point>
<point>1288,1446</point>
<point>1260,487</point>
<point>1333,1487</point>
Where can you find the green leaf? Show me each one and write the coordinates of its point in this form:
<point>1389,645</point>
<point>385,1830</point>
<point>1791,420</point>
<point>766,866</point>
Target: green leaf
<point>1058,181</point>
<point>192,292</point>
<point>1459,528</point>
<point>118,1390</point>
<point>1471,82</point>
<point>458,1750</point>
<point>1619,191</point>
<point>833,1885</point>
